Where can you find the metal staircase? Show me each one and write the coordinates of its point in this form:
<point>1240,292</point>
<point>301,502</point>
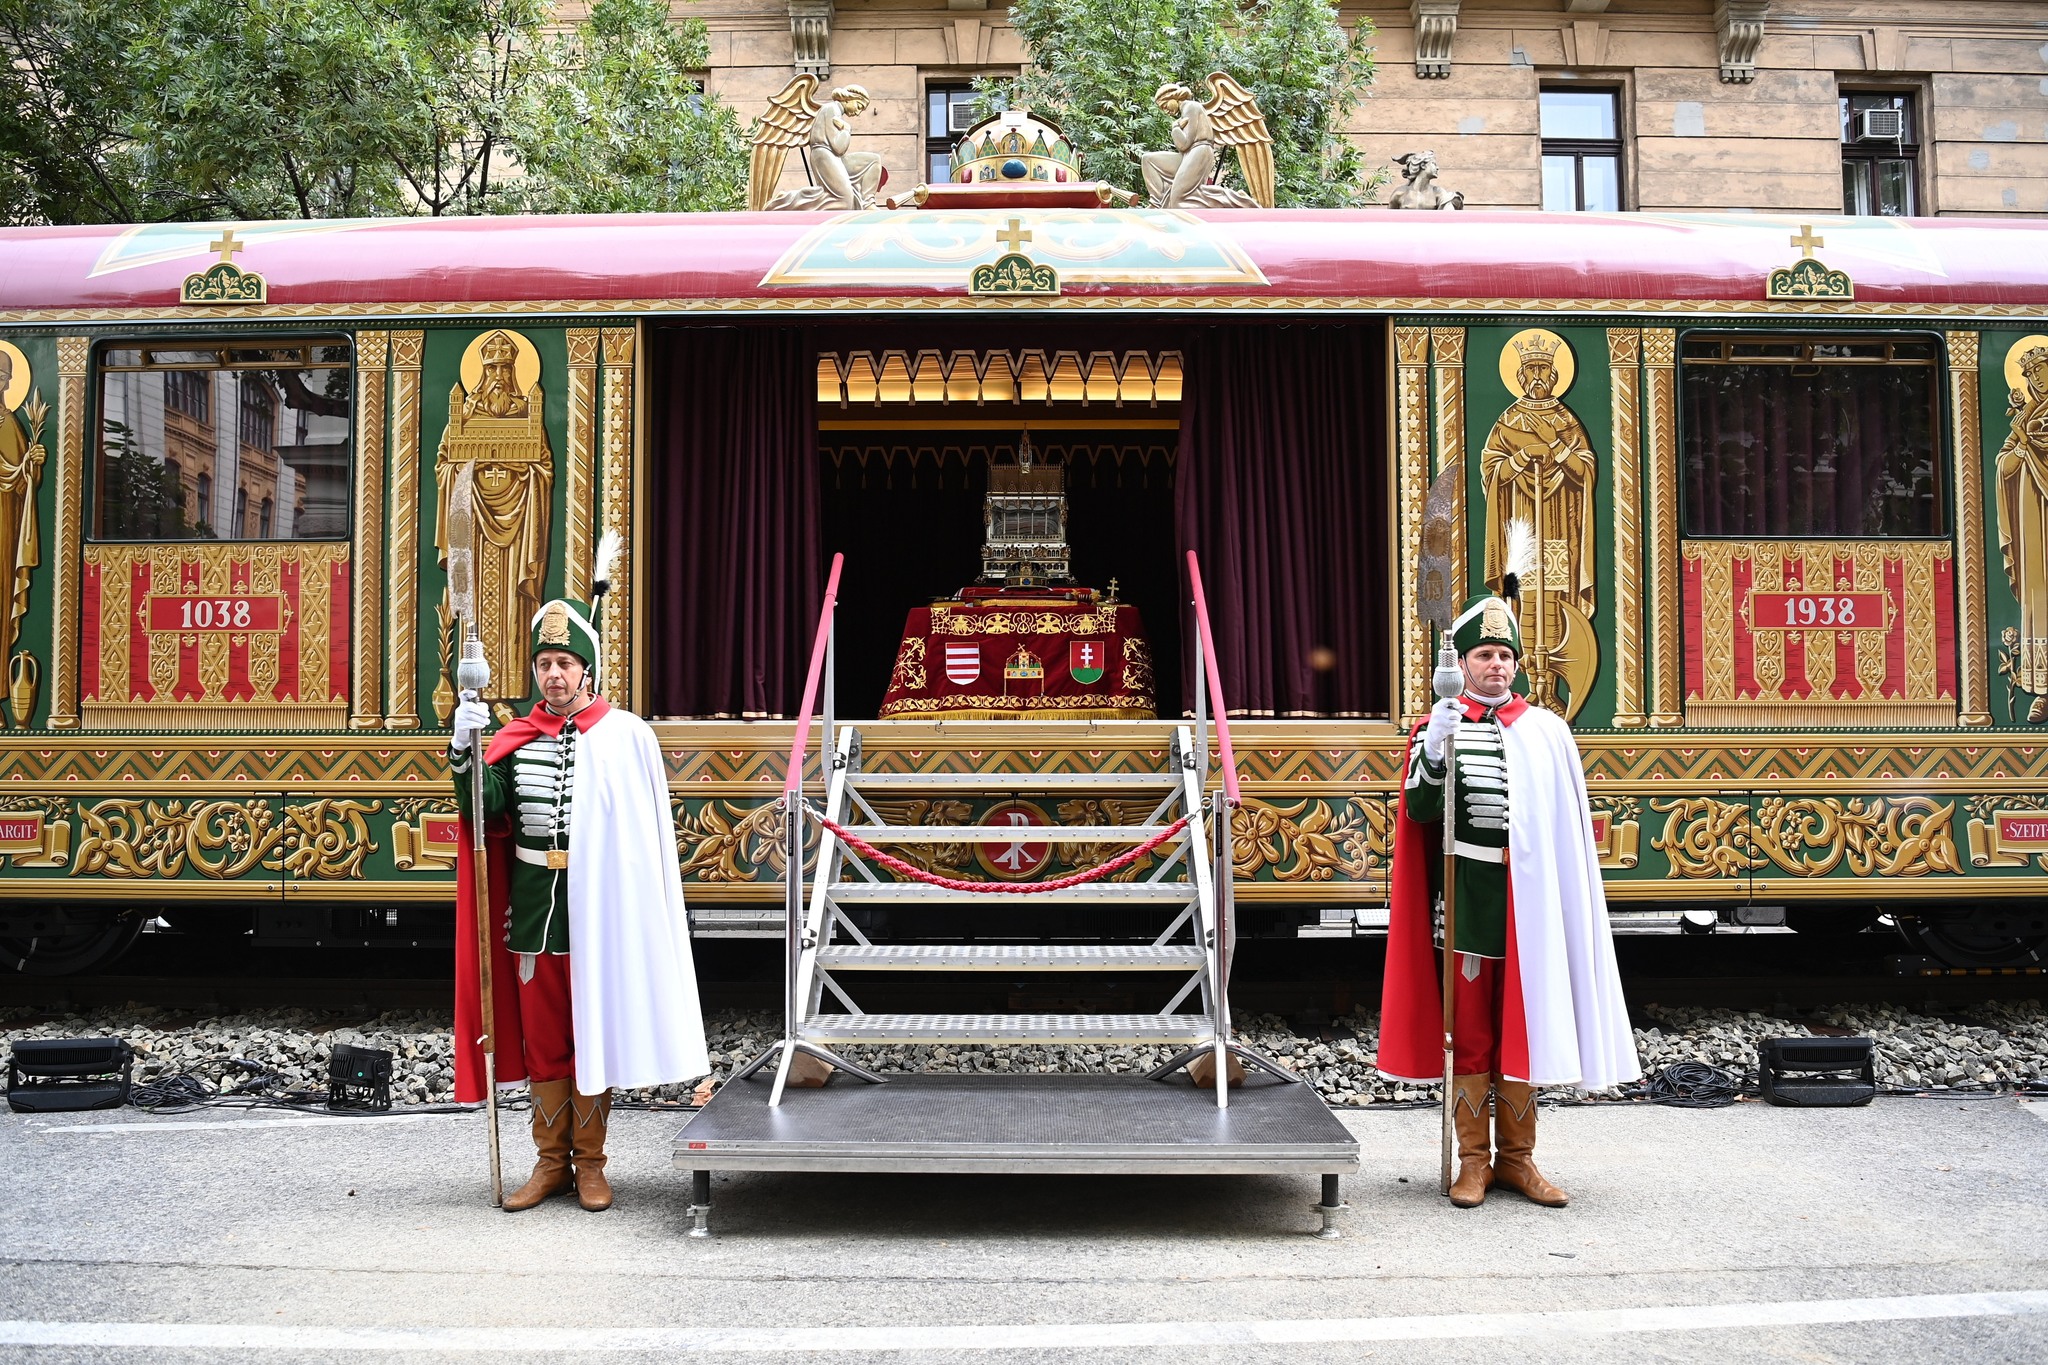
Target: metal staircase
<point>827,947</point>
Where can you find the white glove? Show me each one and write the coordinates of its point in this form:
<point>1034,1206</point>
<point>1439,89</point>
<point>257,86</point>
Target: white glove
<point>1444,719</point>
<point>472,718</point>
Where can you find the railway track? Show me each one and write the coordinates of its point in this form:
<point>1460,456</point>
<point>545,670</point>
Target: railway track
<point>1765,971</point>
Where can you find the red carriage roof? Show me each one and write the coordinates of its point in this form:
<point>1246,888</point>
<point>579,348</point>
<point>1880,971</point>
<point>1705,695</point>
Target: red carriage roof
<point>1274,255</point>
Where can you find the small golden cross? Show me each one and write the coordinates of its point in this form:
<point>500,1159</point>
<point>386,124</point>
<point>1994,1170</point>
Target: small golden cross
<point>1014,236</point>
<point>227,246</point>
<point>1806,241</point>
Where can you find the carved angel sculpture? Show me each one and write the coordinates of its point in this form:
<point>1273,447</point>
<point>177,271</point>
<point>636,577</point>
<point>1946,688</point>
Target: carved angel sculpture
<point>840,178</point>
<point>1189,175</point>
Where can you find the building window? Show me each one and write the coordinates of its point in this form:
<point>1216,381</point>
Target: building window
<point>1581,150</point>
<point>290,402</point>
<point>949,112</point>
<point>1811,436</point>
<point>1880,154</point>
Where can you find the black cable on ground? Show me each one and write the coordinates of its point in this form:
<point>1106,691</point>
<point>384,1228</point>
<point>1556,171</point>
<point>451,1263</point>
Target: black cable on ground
<point>1695,1085</point>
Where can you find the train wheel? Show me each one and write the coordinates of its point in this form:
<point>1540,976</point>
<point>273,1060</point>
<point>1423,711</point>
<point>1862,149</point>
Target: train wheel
<point>88,941</point>
<point>1966,945</point>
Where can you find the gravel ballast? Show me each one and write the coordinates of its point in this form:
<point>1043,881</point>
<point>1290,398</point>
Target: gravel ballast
<point>1995,1045</point>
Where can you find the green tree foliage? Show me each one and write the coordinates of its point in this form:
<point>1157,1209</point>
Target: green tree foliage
<point>1096,63</point>
<point>155,110</point>
<point>620,124</point>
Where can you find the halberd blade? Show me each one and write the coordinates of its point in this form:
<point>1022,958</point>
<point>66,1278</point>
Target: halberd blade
<point>1435,569</point>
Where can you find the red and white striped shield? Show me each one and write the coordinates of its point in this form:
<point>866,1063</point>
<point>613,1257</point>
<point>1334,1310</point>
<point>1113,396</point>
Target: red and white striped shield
<point>963,663</point>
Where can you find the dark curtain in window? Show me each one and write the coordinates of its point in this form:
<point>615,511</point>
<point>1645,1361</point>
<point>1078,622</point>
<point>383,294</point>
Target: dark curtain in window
<point>734,553</point>
<point>1802,451</point>
<point>1279,490</point>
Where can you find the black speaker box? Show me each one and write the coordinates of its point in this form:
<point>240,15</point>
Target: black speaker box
<point>1817,1073</point>
<point>62,1075</point>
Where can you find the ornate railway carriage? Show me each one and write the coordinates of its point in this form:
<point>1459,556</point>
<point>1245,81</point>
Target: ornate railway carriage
<point>1790,481</point>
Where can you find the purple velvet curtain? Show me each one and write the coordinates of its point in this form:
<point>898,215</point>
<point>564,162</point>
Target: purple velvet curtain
<point>1280,488</point>
<point>735,556</point>
<point>1844,451</point>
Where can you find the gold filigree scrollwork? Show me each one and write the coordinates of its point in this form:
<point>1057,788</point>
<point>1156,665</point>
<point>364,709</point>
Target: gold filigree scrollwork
<point>402,685</point>
<point>1311,840</point>
<point>1912,836</point>
<point>1660,425</point>
<point>72,355</point>
<point>1411,399</point>
<point>617,509</point>
<point>326,840</point>
<point>1618,843</point>
<point>365,696</point>
<point>723,841</point>
<point>1101,811</point>
<point>1624,358</point>
<point>1137,666</point>
<point>220,840</point>
<point>908,674</point>
<point>2008,831</point>
<point>578,477</point>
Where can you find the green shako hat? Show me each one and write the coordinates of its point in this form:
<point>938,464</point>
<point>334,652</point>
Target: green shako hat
<point>1486,619</point>
<point>566,623</point>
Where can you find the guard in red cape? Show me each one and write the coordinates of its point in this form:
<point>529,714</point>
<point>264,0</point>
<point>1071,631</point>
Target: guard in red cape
<point>592,977</point>
<point>1537,999</point>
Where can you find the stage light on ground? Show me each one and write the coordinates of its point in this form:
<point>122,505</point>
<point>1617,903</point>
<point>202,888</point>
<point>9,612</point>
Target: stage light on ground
<point>1817,1073</point>
<point>62,1075</point>
<point>358,1078</point>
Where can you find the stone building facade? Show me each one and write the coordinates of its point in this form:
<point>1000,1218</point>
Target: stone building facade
<point>1651,105</point>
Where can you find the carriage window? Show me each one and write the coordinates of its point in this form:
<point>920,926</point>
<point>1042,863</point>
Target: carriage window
<point>238,441</point>
<point>1811,436</point>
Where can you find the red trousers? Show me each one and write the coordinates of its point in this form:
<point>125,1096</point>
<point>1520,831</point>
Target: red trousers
<point>1475,1017</point>
<point>545,1020</point>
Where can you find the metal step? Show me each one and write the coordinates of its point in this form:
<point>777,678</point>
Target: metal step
<point>1094,893</point>
<point>1029,834</point>
<point>1012,957</point>
<point>1181,1030</point>
<point>1158,781</point>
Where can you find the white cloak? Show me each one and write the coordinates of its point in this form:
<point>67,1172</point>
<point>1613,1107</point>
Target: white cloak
<point>1578,1028</point>
<point>633,988</point>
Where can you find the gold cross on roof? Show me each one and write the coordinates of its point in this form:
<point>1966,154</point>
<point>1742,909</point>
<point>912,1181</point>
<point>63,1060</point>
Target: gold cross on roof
<point>227,246</point>
<point>1014,236</point>
<point>1806,241</point>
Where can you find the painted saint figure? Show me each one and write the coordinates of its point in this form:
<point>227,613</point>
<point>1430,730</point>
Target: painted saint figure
<point>497,437</point>
<point>21,463</point>
<point>594,987</point>
<point>2022,475</point>
<point>1538,467</point>
<point>1536,995</point>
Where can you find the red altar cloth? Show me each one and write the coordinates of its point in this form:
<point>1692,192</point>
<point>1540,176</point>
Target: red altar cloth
<point>1019,654</point>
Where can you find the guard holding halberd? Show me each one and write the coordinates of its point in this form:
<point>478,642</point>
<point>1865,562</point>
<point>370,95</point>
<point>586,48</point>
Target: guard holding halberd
<point>581,855</point>
<point>1536,996</point>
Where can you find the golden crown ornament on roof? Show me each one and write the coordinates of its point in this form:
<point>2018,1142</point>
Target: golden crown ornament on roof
<point>840,178</point>
<point>1190,176</point>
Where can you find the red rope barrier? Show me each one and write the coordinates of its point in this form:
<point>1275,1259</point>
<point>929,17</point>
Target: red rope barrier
<point>897,865</point>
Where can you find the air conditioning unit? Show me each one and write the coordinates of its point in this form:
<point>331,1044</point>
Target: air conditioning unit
<point>1881,125</point>
<point>960,116</point>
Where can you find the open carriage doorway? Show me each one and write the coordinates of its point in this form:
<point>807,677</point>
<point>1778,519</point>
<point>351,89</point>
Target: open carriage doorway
<point>1260,446</point>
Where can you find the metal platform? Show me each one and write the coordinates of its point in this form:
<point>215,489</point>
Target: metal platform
<point>1017,1125</point>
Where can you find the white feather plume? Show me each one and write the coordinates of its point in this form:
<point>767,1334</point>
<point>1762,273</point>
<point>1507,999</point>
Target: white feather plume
<point>608,546</point>
<point>1520,559</point>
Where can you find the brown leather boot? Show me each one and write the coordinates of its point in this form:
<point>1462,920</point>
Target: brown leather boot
<point>1514,1131</point>
<point>586,1142</point>
<point>1475,1148</point>
<point>551,1139</point>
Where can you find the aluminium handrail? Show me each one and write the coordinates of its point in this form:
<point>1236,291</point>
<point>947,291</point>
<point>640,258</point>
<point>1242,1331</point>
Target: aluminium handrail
<point>1214,672</point>
<point>799,744</point>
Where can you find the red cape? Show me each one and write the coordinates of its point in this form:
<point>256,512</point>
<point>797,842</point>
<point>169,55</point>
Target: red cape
<point>508,1044</point>
<point>1411,997</point>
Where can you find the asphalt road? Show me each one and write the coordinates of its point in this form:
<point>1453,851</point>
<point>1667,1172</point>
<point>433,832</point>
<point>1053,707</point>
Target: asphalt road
<point>1910,1230</point>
